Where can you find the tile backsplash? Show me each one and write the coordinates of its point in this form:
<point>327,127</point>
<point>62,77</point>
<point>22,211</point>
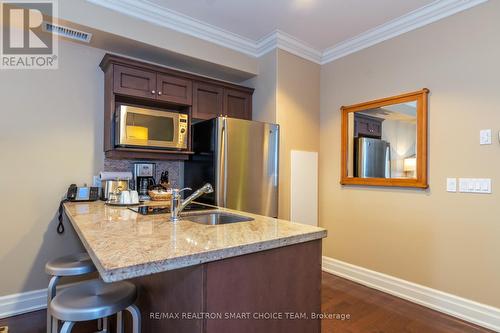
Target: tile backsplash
<point>174,168</point>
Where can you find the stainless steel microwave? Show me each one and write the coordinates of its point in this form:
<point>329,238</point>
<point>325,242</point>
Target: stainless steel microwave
<point>149,128</point>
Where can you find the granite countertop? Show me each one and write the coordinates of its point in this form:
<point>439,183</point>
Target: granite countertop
<point>124,244</point>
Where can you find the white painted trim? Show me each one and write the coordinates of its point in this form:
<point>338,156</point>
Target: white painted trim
<point>418,18</point>
<point>12,305</point>
<point>16,304</point>
<point>159,15</point>
<point>162,16</point>
<point>284,41</point>
<point>462,308</point>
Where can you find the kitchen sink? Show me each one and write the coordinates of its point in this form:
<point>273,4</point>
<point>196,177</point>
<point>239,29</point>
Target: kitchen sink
<point>217,218</point>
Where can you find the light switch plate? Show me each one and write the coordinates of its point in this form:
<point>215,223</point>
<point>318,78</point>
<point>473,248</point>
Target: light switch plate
<point>451,184</point>
<point>474,185</point>
<point>485,137</point>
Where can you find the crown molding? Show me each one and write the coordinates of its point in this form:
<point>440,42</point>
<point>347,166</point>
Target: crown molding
<point>281,40</point>
<point>418,18</point>
<point>161,16</point>
<point>158,15</point>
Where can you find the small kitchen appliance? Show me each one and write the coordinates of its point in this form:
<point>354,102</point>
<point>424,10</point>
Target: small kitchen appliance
<point>113,186</point>
<point>144,177</point>
<point>141,127</point>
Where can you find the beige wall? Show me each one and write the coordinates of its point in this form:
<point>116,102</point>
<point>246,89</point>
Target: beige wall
<point>297,113</point>
<point>50,137</point>
<point>287,93</point>
<point>447,241</point>
<point>265,85</point>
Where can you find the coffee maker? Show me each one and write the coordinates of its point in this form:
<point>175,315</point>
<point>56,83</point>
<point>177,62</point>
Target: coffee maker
<point>144,177</point>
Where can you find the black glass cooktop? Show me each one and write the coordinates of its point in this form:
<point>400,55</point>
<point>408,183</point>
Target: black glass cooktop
<point>153,210</point>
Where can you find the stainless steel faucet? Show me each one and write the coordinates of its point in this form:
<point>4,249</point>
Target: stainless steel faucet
<point>177,205</point>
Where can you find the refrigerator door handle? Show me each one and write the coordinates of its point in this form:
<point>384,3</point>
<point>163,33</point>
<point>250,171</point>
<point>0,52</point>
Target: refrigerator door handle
<point>223,159</point>
<point>388,172</point>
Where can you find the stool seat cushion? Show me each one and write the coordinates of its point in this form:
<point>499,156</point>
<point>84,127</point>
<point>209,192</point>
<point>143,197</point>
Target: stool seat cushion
<point>92,299</point>
<point>71,265</point>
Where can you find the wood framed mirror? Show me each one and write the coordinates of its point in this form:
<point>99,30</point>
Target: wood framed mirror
<point>384,142</point>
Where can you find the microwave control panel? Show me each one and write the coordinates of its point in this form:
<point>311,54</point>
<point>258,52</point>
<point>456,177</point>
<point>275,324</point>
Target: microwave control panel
<point>183,127</point>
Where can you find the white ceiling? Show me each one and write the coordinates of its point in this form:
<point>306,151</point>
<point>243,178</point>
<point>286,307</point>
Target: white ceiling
<point>318,23</point>
<point>318,30</point>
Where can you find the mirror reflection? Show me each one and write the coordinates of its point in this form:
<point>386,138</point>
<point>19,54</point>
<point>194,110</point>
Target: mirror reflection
<point>382,142</point>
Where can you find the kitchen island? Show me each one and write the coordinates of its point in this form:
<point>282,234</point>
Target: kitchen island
<point>262,275</point>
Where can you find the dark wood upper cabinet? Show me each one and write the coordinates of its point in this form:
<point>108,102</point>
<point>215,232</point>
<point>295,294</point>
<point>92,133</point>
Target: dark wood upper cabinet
<point>174,89</point>
<point>367,126</point>
<point>134,82</point>
<point>210,101</point>
<point>143,84</point>
<point>207,100</point>
<point>237,104</point>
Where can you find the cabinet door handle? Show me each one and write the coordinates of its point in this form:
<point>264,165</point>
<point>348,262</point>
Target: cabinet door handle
<point>159,92</point>
<point>153,92</point>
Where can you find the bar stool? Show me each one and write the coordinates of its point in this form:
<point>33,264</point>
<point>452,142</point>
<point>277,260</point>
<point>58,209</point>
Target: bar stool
<point>94,299</point>
<point>71,265</point>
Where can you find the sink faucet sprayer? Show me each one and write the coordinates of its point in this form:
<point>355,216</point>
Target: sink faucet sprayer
<point>177,205</point>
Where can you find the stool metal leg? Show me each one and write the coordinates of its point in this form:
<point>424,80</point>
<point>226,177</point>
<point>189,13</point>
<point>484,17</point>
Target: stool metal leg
<point>105,324</point>
<point>99,324</point>
<point>51,293</point>
<point>102,325</point>
<point>55,325</point>
<point>67,326</point>
<point>119,322</point>
<point>136,318</point>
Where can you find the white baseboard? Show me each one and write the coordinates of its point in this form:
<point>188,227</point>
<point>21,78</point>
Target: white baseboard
<point>16,304</point>
<point>12,305</point>
<point>465,309</point>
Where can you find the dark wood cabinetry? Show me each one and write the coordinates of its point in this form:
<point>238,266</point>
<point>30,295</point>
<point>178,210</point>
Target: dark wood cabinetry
<point>174,89</point>
<point>367,126</point>
<point>237,104</point>
<point>147,84</point>
<point>277,281</point>
<point>143,84</point>
<point>134,82</point>
<point>207,100</point>
<point>210,101</point>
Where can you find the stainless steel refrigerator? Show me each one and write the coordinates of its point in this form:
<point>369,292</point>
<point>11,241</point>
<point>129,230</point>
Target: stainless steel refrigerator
<point>373,158</point>
<point>240,159</point>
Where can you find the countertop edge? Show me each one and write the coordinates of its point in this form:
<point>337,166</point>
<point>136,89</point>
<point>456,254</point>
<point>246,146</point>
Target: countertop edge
<point>87,247</point>
<point>130,272</point>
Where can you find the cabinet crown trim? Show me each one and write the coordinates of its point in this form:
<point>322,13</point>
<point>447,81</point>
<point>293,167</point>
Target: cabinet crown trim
<point>111,59</point>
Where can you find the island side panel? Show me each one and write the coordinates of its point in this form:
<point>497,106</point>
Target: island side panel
<point>163,295</point>
<point>286,279</point>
